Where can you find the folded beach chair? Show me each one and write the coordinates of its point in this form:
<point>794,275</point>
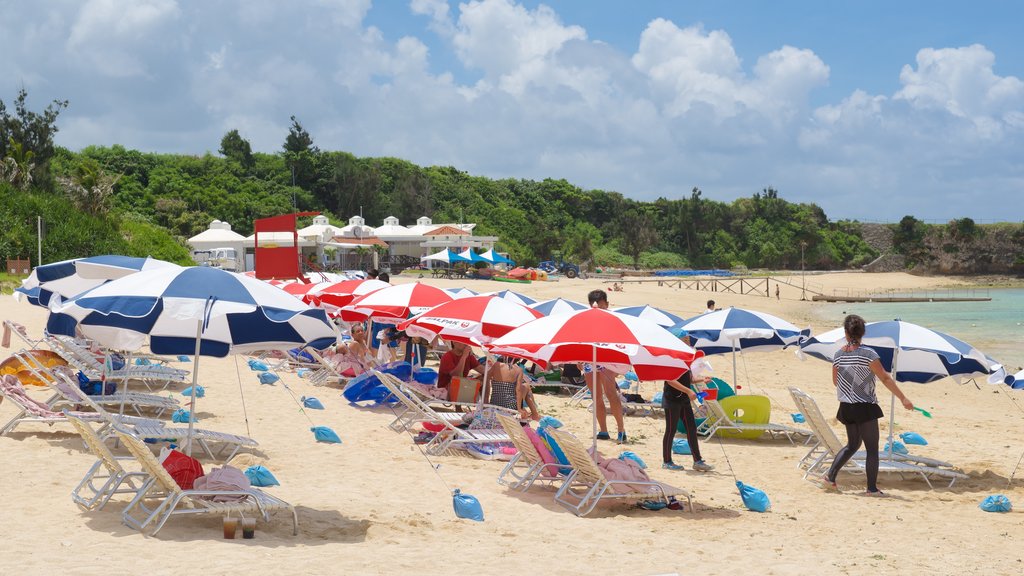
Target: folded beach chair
<point>451,436</point>
<point>81,358</point>
<point>172,500</point>
<point>587,485</point>
<point>820,457</point>
<point>90,494</point>
<point>526,467</point>
<point>720,421</point>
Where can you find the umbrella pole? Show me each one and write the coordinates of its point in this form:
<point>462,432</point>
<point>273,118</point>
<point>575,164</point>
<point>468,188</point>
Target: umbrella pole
<point>485,388</point>
<point>892,403</point>
<point>595,397</point>
<point>195,381</point>
<point>735,383</point>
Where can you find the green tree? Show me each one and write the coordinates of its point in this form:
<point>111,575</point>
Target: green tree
<point>34,131</point>
<point>638,234</point>
<point>90,187</point>
<point>236,148</point>
<point>17,167</point>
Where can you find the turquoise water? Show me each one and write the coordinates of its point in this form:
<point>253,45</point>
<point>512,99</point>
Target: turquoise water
<point>995,327</point>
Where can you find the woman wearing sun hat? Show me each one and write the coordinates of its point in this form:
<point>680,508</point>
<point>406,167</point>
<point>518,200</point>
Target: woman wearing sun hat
<point>676,399</point>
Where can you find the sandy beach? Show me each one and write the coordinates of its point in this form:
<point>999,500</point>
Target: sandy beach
<point>375,505</point>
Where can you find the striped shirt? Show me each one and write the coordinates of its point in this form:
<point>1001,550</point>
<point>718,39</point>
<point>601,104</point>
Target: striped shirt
<point>855,382</point>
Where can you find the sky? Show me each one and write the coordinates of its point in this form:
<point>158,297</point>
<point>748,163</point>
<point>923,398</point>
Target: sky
<point>872,110</point>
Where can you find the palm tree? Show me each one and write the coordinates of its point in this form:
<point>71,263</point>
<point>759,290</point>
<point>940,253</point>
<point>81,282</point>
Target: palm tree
<point>362,252</point>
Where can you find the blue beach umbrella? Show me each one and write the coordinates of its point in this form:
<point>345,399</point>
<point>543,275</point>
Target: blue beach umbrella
<point>70,278</point>
<point>656,315</point>
<point>732,329</point>
<point>909,352</point>
<point>457,293</point>
<point>558,306</point>
<point>196,310</point>
<point>514,297</point>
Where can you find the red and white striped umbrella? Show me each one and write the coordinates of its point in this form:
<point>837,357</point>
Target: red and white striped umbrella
<point>338,294</point>
<point>615,341</point>
<point>474,320</point>
<point>301,289</point>
<point>394,303</point>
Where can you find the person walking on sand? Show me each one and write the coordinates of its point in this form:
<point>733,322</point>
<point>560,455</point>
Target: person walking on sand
<point>777,292</point>
<point>676,399</point>
<point>602,383</point>
<point>854,369</point>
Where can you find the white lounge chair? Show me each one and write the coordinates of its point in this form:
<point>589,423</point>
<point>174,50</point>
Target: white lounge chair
<point>587,485</point>
<point>81,358</point>
<point>89,494</point>
<point>451,436</point>
<point>526,467</point>
<point>718,420</point>
<point>172,500</point>
<point>828,446</point>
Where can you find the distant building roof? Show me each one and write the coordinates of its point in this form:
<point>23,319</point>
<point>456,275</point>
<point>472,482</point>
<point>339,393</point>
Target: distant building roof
<point>320,228</point>
<point>218,232</point>
<point>447,230</point>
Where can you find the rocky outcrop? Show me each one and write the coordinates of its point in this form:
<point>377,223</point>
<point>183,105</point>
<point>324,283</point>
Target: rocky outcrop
<point>950,249</point>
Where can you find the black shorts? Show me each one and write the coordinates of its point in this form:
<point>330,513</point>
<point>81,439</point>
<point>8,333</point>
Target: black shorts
<point>858,413</point>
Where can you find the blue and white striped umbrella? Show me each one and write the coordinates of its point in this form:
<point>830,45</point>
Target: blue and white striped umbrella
<point>513,296</point>
<point>70,278</point>
<point>731,329</point>
<point>921,354</point>
<point>656,315</point>
<point>166,308</point>
<point>558,306</point>
<point>460,292</point>
<point>1015,381</point>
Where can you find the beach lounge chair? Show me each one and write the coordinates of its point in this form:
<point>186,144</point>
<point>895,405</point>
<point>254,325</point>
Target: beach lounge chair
<point>81,358</point>
<point>150,428</point>
<point>172,500</point>
<point>526,467</point>
<point>451,436</point>
<point>828,446</point>
<point>11,328</point>
<point>408,411</point>
<point>721,420</point>
<point>587,484</point>
<point>31,410</point>
<point>90,494</point>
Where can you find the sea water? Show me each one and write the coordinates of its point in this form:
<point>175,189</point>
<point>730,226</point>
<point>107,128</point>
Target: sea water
<point>995,327</point>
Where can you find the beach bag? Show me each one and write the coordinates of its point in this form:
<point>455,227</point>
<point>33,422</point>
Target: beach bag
<point>325,435</point>
<point>462,389</point>
<point>260,476</point>
<point>753,498</point>
<point>200,391</point>
<point>182,467</point>
<point>182,416</point>
<point>681,446</point>
<point>467,506</point>
<point>312,402</point>
<point>913,438</point>
<point>996,503</point>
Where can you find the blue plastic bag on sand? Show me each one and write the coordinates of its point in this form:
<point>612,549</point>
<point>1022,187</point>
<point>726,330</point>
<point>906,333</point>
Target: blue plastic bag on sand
<point>467,506</point>
<point>996,503</point>
<point>631,376</point>
<point>268,378</point>
<point>260,477</point>
<point>181,416</point>
<point>183,358</point>
<point>798,418</point>
<point>258,366</point>
<point>913,438</point>
<point>312,402</point>
<point>680,446</point>
<point>753,498</point>
<point>325,435</point>
<point>897,447</point>
<point>302,372</point>
<point>549,421</point>
<point>200,391</point>
<point>634,457</point>
<point>657,398</point>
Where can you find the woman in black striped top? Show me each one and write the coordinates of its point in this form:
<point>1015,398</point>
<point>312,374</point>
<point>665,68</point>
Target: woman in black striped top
<point>854,369</point>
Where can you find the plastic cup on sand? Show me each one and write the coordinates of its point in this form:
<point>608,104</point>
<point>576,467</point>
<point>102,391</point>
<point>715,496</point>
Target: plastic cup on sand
<point>230,527</point>
<point>248,528</point>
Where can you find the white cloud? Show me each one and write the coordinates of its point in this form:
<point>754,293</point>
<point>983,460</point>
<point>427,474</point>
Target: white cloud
<point>113,36</point>
<point>502,90</point>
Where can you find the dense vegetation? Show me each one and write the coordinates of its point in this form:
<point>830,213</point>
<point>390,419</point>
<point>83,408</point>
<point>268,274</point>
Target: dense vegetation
<point>112,199</point>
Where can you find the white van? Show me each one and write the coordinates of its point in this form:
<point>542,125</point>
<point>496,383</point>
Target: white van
<point>223,258</point>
